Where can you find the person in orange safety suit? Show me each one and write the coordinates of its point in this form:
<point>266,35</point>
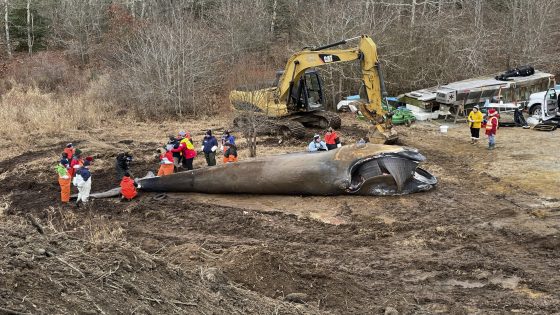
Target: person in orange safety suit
<point>64,178</point>
<point>128,187</point>
<point>230,155</point>
<point>166,161</point>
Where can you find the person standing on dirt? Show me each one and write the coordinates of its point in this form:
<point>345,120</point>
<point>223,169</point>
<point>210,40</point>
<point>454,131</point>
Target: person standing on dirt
<point>317,145</point>
<point>186,150</point>
<point>69,151</point>
<point>209,147</point>
<point>491,128</point>
<point>227,137</point>
<point>230,154</point>
<point>175,142</point>
<point>128,187</point>
<point>475,123</point>
<point>75,163</point>
<point>64,179</point>
<point>122,164</point>
<point>166,161</point>
<point>332,140</point>
<point>82,180</point>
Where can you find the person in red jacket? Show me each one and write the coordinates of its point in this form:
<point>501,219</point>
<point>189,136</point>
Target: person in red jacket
<point>491,128</point>
<point>331,139</point>
<point>128,187</point>
<point>76,163</point>
<point>69,150</point>
<point>187,150</point>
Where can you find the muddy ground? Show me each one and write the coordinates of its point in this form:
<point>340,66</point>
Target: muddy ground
<point>486,241</point>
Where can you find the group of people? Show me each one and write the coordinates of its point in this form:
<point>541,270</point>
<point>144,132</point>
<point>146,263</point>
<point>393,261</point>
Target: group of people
<point>332,141</point>
<point>476,122</point>
<point>179,152</point>
<point>72,169</point>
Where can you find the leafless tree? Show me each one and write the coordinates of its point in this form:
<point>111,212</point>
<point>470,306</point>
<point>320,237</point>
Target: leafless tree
<point>7,28</point>
<point>166,68</point>
<point>177,57</point>
<point>78,25</point>
<point>249,119</point>
<point>29,28</point>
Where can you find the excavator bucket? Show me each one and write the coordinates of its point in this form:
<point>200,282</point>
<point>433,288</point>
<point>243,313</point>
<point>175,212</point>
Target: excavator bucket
<point>381,131</point>
<point>383,136</point>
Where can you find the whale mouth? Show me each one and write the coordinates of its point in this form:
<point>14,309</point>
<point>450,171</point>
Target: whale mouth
<point>390,174</point>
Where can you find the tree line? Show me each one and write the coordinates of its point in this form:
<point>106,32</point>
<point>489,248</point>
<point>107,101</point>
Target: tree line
<point>182,57</point>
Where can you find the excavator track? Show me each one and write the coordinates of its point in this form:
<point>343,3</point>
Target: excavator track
<point>287,128</point>
<point>333,119</point>
<point>290,128</point>
<point>318,119</point>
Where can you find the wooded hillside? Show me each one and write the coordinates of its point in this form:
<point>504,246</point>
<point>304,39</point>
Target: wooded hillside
<point>184,56</point>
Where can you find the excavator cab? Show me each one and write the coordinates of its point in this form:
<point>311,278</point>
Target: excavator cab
<point>307,93</point>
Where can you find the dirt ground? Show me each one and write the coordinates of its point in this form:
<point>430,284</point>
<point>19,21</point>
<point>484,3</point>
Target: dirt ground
<point>485,241</point>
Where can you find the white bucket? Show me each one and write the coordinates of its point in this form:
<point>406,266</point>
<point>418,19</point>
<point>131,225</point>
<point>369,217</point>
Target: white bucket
<point>443,128</point>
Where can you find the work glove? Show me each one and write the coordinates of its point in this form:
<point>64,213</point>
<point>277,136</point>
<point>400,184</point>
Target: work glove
<point>214,148</point>
<point>339,145</point>
<point>138,186</point>
<point>202,148</point>
<point>221,148</point>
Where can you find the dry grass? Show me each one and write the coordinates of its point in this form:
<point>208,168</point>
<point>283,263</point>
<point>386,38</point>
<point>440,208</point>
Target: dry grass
<point>28,111</point>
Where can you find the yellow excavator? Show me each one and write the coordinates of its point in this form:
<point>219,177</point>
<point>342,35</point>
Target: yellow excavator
<point>296,99</point>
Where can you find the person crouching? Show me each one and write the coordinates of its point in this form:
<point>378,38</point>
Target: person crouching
<point>128,188</point>
<point>230,154</point>
<point>317,145</point>
<point>166,161</point>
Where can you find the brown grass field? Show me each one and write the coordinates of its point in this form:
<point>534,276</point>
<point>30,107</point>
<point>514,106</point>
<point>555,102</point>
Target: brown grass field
<point>485,241</point>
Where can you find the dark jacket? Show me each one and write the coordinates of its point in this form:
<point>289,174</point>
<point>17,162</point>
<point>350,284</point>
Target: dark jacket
<point>84,172</point>
<point>123,161</point>
<point>231,150</point>
<point>208,143</point>
<point>175,143</point>
<point>122,164</point>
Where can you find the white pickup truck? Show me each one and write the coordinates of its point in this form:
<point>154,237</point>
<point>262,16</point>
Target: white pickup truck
<point>543,104</point>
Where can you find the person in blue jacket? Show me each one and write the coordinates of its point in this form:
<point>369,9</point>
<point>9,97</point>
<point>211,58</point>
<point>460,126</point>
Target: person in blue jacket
<point>317,145</point>
<point>227,137</point>
<point>209,147</point>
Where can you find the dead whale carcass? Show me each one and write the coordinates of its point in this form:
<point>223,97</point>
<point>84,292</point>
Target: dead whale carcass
<point>369,169</point>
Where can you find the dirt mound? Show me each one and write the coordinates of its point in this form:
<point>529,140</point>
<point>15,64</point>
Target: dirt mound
<point>55,273</point>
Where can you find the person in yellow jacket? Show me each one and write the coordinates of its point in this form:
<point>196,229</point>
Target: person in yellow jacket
<point>475,123</point>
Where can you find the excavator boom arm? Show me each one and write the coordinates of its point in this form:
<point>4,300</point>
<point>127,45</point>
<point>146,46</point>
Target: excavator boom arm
<point>366,52</point>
